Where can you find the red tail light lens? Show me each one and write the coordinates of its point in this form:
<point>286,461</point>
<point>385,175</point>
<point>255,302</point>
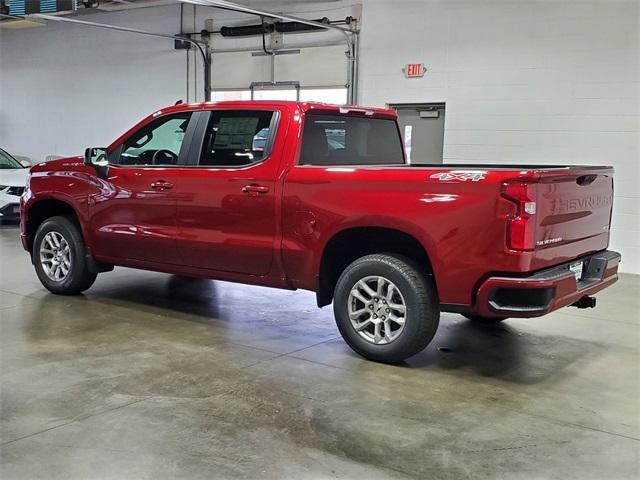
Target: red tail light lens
<point>521,228</point>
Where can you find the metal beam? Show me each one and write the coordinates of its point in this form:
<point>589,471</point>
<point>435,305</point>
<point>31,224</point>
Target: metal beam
<point>262,13</point>
<point>294,46</point>
<point>55,18</point>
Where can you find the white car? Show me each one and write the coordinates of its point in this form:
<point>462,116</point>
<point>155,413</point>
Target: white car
<point>13,179</point>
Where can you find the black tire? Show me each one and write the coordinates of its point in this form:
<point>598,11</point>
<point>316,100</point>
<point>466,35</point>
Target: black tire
<point>480,320</point>
<point>422,310</point>
<point>79,278</point>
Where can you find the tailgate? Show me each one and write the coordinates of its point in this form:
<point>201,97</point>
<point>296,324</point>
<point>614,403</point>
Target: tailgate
<point>573,205</point>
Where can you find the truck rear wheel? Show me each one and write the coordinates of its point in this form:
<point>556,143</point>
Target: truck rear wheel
<point>385,308</point>
<point>59,257</point>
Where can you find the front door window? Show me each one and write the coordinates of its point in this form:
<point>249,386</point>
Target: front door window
<point>157,143</point>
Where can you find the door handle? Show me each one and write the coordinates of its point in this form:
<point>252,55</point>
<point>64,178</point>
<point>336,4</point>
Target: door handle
<point>255,190</point>
<point>162,185</point>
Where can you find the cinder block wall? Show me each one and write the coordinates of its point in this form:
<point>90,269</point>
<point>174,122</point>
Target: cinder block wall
<point>523,82</point>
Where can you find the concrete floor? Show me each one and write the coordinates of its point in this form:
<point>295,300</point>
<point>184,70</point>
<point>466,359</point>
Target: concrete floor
<point>153,376</point>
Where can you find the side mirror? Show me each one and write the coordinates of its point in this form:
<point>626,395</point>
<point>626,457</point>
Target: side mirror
<point>97,158</point>
<point>25,163</point>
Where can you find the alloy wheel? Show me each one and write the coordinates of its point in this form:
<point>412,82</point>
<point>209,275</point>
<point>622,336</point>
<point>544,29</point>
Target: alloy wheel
<point>377,309</point>
<point>55,256</point>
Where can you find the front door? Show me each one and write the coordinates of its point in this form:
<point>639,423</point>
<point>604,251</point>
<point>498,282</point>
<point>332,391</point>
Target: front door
<point>133,214</point>
<point>227,198</point>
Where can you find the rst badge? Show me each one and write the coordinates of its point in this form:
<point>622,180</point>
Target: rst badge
<point>459,175</point>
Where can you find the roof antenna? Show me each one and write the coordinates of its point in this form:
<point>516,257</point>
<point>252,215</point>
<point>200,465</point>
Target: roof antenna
<point>179,102</point>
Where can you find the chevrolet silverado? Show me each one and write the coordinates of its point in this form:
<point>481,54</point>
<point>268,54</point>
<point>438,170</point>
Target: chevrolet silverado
<point>320,197</point>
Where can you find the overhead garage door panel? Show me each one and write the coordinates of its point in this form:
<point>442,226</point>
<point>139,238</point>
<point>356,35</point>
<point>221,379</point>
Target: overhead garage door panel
<point>238,70</point>
<point>315,66</point>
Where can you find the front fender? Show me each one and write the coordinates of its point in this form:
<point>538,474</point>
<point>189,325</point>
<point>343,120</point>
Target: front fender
<point>68,187</point>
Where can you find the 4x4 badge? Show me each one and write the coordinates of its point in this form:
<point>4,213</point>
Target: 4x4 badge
<point>460,175</point>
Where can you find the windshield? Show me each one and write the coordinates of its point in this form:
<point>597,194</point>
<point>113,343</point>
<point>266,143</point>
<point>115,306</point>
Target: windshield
<point>8,162</point>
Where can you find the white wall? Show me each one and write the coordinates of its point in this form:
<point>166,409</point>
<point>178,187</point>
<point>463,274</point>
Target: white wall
<point>523,82</point>
<point>65,87</point>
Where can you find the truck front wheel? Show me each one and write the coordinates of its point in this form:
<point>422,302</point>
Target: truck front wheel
<point>385,308</point>
<point>59,257</point>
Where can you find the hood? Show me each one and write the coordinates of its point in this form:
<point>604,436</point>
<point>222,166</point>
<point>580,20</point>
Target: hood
<point>14,177</point>
<point>58,164</point>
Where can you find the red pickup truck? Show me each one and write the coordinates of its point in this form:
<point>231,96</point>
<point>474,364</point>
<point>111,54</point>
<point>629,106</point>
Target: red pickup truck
<point>321,197</point>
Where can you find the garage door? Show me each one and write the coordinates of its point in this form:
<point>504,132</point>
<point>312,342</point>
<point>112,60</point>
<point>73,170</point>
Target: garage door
<point>324,66</point>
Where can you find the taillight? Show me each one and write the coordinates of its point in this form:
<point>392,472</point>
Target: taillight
<point>522,226</point>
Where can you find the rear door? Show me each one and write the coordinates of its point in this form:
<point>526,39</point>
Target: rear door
<point>228,197</point>
<point>422,127</point>
<point>133,213</point>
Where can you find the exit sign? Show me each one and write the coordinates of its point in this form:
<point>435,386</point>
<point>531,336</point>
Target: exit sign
<point>414,70</point>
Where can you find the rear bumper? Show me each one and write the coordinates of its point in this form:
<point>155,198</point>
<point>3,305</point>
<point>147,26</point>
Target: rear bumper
<point>546,290</point>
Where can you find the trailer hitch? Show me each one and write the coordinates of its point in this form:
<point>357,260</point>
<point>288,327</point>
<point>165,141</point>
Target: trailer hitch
<point>585,302</point>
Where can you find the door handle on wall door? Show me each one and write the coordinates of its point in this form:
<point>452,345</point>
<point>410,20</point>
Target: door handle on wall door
<point>255,190</point>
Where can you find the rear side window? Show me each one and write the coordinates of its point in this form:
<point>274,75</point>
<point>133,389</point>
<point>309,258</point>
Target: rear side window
<point>344,140</point>
<point>235,138</point>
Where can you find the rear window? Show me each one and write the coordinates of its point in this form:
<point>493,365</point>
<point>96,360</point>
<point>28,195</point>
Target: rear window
<point>344,140</point>
<point>235,138</point>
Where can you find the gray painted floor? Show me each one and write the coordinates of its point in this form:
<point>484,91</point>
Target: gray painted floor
<point>153,376</point>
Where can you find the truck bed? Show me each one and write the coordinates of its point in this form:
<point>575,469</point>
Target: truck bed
<point>495,166</point>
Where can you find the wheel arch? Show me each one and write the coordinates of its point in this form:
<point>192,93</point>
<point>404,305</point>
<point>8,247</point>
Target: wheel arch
<point>47,207</point>
<point>350,243</point>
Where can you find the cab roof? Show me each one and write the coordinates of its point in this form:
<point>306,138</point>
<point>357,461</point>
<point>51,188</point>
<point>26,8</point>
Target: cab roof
<point>291,105</point>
